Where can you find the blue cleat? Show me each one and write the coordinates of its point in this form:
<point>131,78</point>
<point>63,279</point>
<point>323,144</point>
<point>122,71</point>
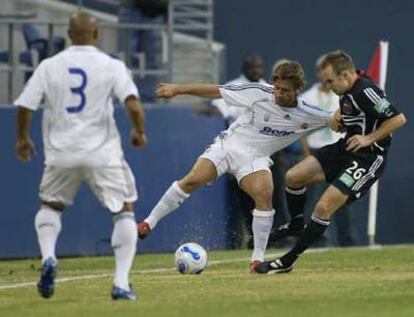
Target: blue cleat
<point>46,284</point>
<point>122,294</point>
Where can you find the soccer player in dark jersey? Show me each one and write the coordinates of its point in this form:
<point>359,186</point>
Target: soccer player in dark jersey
<point>350,165</point>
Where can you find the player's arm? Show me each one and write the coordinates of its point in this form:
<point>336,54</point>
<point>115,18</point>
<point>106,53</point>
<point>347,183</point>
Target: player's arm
<point>200,90</point>
<point>373,101</point>
<point>136,116</point>
<point>24,144</point>
<point>28,101</point>
<point>389,126</point>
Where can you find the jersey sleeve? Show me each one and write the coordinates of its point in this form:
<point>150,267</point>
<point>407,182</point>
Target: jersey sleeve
<point>373,101</point>
<point>317,115</point>
<point>244,95</point>
<point>34,91</point>
<point>124,84</point>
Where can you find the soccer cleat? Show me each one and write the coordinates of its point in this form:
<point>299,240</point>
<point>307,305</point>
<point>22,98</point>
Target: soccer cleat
<point>143,230</point>
<point>46,284</point>
<point>122,294</point>
<point>273,267</point>
<point>253,265</point>
<point>284,231</point>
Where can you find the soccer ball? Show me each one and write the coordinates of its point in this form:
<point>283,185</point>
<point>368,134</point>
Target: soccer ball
<point>190,258</point>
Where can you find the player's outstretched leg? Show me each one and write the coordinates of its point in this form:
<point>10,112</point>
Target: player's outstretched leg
<point>331,200</point>
<point>306,172</point>
<point>171,200</point>
<point>124,241</point>
<point>314,229</point>
<point>203,172</point>
<point>296,199</point>
<point>48,226</point>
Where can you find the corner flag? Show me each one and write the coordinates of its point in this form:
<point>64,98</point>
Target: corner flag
<point>378,72</point>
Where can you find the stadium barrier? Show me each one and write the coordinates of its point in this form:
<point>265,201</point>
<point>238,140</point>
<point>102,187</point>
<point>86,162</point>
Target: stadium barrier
<point>176,138</point>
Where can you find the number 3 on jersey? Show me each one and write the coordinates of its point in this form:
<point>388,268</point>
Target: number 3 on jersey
<point>79,90</point>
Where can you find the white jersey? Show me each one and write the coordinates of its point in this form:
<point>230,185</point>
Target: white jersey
<point>78,123</point>
<point>267,127</point>
<point>231,113</point>
<point>328,101</point>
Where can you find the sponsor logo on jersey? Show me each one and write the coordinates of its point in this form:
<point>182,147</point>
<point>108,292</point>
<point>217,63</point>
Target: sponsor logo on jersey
<point>275,132</point>
<point>347,180</point>
<point>382,106</point>
<point>346,108</point>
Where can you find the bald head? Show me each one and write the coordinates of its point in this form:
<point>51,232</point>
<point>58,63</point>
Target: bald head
<point>83,29</point>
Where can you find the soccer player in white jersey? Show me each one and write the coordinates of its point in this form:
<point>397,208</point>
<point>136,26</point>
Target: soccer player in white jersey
<point>275,118</point>
<point>82,144</point>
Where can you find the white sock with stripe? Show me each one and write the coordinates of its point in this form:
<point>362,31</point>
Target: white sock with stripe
<point>171,200</point>
<point>124,243</point>
<point>48,225</point>
<point>262,224</point>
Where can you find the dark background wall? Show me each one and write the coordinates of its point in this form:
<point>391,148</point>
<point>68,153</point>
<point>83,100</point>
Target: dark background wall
<point>303,30</point>
<point>176,138</point>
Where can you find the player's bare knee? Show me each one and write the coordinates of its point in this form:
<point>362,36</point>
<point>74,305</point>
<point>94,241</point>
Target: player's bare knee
<point>191,183</point>
<point>322,210</point>
<point>292,179</point>
<point>263,199</point>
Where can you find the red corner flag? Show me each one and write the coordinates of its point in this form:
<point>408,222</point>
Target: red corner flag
<point>378,67</point>
<point>378,72</point>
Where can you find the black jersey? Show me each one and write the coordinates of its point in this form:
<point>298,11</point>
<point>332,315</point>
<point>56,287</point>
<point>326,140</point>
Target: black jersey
<point>363,109</point>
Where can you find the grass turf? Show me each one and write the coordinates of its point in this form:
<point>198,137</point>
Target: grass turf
<point>341,282</point>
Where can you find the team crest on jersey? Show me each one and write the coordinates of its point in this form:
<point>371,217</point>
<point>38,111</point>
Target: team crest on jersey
<point>287,116</point>
<point>347,108</point>
<point>304,126</point>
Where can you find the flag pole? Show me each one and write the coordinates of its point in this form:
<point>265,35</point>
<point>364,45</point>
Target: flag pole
<point>378,72</point>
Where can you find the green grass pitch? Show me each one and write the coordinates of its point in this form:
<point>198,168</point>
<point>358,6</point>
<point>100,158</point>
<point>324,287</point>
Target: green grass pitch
<point>339,282</point>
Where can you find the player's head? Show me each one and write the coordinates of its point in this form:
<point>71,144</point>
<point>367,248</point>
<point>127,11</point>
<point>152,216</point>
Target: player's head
<point>83,29</point>
<point>252,67</point>
<point>337,71</point>
<point>288,80</point>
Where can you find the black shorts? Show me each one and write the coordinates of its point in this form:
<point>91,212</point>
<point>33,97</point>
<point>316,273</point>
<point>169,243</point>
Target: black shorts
<point>352,173</point>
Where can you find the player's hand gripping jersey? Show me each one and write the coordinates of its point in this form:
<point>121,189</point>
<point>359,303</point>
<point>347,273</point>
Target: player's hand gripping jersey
<point>78,122</point>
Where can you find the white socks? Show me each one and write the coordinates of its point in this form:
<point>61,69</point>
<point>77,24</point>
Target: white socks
<point>48,225</point>
<point>124,244</point>
<point>262,224</point>
<point>172,199</point>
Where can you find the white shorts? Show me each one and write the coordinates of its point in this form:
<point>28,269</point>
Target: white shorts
<point>112,185</point>
<point>235,161</point>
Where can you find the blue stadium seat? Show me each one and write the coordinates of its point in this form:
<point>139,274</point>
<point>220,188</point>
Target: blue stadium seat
<point>25,58</point>
<point>34,40</point>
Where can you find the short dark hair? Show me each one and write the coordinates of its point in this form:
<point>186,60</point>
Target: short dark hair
<point>339,60</point>
<point>292,71</point>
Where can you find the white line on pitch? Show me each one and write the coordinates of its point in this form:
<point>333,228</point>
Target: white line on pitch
<point>95,276</point>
